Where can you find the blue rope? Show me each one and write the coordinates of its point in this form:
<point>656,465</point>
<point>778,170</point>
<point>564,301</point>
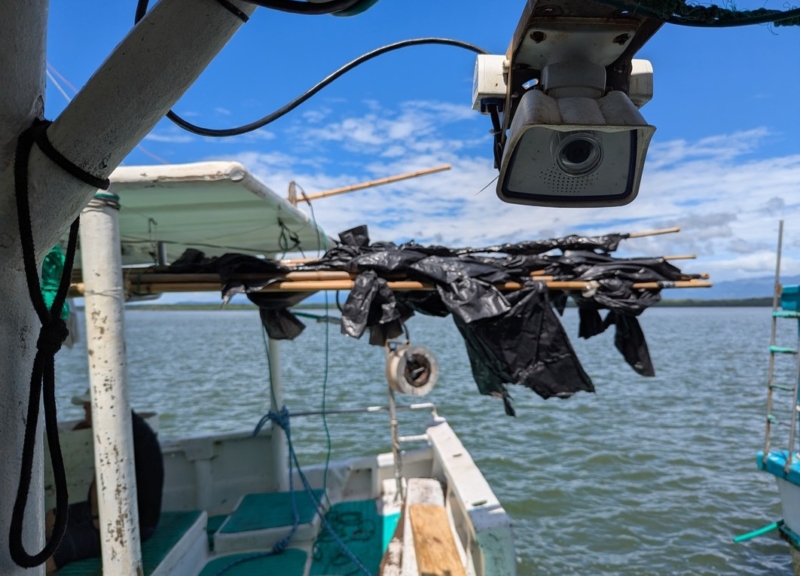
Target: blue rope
<point>319,509</point>
<point>282,420</point>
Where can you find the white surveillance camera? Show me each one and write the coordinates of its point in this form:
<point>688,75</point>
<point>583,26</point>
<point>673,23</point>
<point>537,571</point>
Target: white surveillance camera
<point>574,151</point>
<point>569,93</point>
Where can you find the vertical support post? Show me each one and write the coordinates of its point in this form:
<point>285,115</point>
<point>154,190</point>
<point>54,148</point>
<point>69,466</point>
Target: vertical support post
<point>776,294</point>
<point>396,453</point>
<point>161,257</point>
<point>23,36</point>
<point>280,448</point>
<point>796,407</point>
<point>115,473</point>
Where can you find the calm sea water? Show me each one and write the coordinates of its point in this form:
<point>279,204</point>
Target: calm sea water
<point>647,476</point>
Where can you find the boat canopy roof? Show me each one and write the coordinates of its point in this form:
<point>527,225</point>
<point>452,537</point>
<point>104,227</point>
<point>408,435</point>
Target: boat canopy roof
<point>216,207</point>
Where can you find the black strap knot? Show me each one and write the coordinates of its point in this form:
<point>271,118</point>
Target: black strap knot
<point>52,336</point>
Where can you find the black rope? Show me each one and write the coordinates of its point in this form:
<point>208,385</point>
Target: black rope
<point>51,336</point>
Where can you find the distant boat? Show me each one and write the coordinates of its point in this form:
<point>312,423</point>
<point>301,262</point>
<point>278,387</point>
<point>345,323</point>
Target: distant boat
<point>783,463</point>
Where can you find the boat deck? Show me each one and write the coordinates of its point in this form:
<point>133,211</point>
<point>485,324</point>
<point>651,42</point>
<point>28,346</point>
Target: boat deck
<point>172,528</point>
<point>364,531</point>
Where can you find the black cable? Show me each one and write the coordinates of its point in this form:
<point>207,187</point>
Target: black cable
<point>244,129</point>
<point>52,334</point>
<point>497,132</point>
<point>141,10</point>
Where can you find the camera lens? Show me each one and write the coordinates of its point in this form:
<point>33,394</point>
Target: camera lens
<point>577,151</point>
<point>577,154</point>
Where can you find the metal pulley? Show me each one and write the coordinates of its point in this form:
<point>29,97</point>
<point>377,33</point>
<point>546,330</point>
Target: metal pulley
<point>411,370</point>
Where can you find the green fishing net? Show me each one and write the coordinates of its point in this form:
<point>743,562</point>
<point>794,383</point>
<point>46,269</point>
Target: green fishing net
<point>52,268</point>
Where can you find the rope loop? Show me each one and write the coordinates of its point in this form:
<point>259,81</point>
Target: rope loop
<point>52,334</point>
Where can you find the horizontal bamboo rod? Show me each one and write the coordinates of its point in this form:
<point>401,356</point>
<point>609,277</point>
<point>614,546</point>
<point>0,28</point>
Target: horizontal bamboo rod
<point>159,278</point>
<point>290,277</point>
<point>673,230</point>
<point>378,182</point>
<point>400,285</point>
<point>294,261</point>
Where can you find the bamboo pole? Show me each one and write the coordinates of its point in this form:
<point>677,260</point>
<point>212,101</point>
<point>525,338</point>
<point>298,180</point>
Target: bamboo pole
<point>399,285</point>
<point>378,182</point>
<point>294,261</point>
<point>673,230</point>
<point>139,279</point>
<point>145,278</point>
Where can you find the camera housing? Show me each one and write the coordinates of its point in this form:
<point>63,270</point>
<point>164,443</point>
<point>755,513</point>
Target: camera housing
<point>564,105</point>
<point>574,151</point>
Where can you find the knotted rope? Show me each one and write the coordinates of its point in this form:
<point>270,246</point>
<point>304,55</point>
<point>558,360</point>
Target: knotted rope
<point>52,334</point>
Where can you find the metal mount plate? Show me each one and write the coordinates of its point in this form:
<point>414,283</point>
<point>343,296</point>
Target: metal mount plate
<point>597,40</point>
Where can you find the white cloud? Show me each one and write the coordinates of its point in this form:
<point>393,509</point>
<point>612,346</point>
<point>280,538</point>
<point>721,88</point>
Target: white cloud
<point>255,136</point>
<point>178,138</point>
<point>223,111</point>
<point>718,189</point>
<point>317,115</point>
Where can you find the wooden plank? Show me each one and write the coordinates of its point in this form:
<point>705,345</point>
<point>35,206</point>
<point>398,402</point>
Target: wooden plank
<point>433,541</point>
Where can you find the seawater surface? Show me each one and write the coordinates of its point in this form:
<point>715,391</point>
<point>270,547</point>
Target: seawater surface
<point>647,476</point>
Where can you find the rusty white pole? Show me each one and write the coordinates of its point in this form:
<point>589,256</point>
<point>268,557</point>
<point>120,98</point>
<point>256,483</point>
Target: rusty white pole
<point>130,92</point>
<point>115,473</point>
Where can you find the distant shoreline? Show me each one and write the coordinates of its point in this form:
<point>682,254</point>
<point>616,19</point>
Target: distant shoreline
<point>670,303</point>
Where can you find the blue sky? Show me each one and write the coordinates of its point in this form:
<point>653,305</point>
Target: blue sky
<point>724,164</point>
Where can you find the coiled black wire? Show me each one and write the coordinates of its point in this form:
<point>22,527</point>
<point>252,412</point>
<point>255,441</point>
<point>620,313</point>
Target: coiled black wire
<point>244,129</point>
<point>305,8</point>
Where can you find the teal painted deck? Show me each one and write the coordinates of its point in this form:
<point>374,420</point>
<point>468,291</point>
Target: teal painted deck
<point>365,533</point>
<point>271,510</point>
<point>171,528</point>
<point>291,563</point>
